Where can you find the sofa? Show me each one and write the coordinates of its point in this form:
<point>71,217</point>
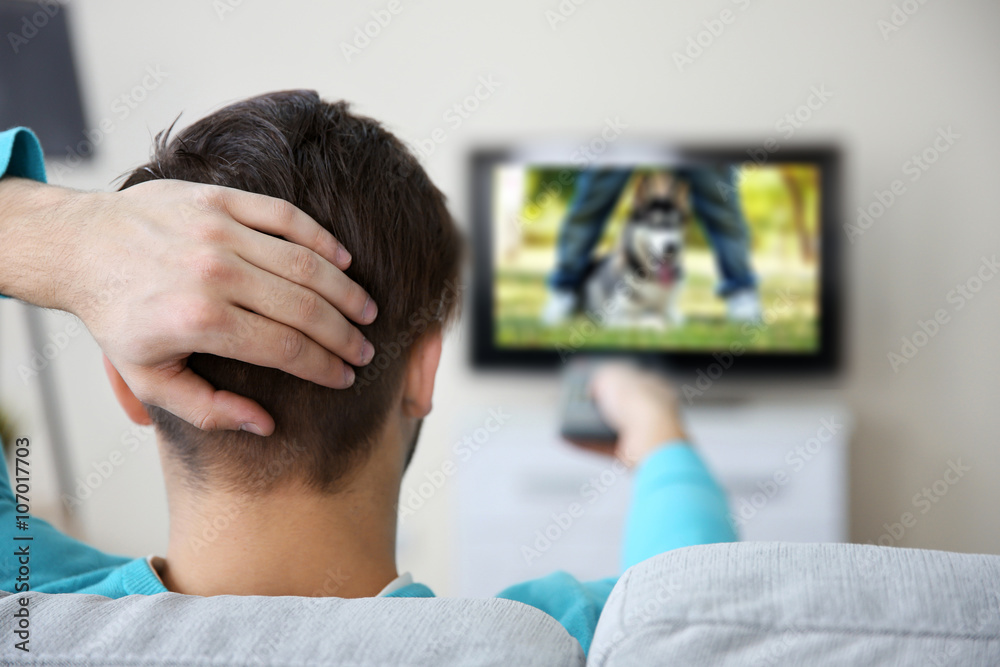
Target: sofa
<point>722,604</point>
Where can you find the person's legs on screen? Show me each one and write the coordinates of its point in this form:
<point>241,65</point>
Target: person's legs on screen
<point>716,202</point>
<point>597,192</point>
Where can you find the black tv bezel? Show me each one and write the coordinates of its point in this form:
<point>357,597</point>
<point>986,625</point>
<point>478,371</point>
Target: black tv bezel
<point>485,355</point>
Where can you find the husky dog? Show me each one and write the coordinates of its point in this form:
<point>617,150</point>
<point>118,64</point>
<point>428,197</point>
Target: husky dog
<point>638,283</point>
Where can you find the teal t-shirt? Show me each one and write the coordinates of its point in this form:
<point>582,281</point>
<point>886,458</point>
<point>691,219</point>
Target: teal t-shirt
<point>675,503</point>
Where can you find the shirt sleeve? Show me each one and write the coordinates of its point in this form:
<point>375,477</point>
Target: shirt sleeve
<point>35,554</point>
<point>675,503</point>
<point>21,155</point>
<point>575,604</point>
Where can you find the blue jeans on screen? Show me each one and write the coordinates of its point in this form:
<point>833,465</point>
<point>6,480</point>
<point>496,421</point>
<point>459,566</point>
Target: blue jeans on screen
<point>714,199</point>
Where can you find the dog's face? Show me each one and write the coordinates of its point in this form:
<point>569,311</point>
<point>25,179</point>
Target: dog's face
<point>656,237</point>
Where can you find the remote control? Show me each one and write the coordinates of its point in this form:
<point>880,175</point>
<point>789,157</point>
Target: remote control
<point>581,420</point>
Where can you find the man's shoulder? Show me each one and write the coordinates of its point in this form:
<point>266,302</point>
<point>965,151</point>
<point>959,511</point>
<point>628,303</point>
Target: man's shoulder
<point>577,605</point>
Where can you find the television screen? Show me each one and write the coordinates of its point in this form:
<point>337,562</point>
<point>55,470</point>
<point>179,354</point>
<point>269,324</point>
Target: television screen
<point>707,252</point>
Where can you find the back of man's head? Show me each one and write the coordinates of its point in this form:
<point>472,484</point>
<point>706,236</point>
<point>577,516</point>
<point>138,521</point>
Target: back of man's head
<point>358,181</point>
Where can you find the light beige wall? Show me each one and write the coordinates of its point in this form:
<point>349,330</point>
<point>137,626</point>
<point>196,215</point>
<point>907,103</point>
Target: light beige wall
<point>615,59</point>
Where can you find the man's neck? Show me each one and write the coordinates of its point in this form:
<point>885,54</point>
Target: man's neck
<point>288,542</point>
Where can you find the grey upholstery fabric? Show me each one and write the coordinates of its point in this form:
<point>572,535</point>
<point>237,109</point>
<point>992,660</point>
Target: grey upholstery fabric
<point>725,604</point>
<point>172,629</point>
<point>803,604</point>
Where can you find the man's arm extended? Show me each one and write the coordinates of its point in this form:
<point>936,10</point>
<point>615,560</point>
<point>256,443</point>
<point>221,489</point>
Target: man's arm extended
<point>676,501</point>
<point>167,268</point>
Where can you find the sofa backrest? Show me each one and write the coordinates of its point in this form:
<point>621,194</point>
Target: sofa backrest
<point>725,604</point>
<point>763,604</point>
<point>173,629</point>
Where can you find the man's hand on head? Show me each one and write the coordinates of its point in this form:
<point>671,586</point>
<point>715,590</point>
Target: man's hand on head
<point>168,268</point>
<point>641,406</point>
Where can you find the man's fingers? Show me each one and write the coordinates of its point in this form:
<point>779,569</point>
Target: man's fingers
<point>277,216</point>
<point>304,267</point>
<point>609,386</point>
<point>257,340</point>
<point>193,399</point>
<point>302,309</point>
<point>604,383</point>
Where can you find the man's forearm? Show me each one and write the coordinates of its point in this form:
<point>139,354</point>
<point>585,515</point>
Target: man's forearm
<point>39,244</point>
<point>676,503</point>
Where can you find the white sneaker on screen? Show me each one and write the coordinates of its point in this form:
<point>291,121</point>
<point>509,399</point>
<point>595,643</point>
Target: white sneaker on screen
<point>560,306</point>
<point>743,306</point>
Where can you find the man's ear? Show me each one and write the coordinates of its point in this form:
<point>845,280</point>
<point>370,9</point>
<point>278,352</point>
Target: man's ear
<point>418,390</point>
<point>133,407</point>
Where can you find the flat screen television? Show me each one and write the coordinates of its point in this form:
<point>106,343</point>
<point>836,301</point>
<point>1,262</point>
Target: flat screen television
<point>680,255</point>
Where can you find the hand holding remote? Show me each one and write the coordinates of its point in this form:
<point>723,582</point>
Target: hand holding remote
<point>641,406</point>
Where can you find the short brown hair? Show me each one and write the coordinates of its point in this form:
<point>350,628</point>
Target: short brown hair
<point>361,183</point>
